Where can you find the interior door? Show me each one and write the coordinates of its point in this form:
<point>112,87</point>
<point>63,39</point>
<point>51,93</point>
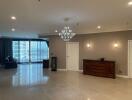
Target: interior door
<point>72,56</point>
<point>130,58</point>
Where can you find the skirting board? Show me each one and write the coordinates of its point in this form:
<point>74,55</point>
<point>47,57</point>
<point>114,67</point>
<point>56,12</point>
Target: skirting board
<point>81,71</point>
<point>122,76</point>
<point>61,69</point>
<point>67,70</point>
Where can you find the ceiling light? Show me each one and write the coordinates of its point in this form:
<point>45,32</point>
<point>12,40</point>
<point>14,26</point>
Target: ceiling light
<point>66,33</point>
<point>13,17</point>
<point>98,27</point>
<point>13,29</point>
<point>130,3</point>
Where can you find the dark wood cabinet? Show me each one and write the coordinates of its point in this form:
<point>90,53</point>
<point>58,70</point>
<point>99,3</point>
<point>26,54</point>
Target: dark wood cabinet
<point>99,68</point>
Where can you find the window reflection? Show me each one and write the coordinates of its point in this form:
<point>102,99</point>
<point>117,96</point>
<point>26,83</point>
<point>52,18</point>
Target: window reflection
<point>29,74</point>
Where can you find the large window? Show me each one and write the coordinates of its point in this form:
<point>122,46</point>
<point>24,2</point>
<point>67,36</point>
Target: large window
<point>24,51</point>
<point>30,51</point>
<point>16,53</point>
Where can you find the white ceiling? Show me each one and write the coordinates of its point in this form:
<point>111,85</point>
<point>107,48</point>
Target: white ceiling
<point>46,16</point>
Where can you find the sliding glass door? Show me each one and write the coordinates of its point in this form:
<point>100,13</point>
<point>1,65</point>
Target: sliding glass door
<point>24,51</point>
<point>30,51</point>
<point>44,48</point>
<point>16,49</point>
<point>35,51</point>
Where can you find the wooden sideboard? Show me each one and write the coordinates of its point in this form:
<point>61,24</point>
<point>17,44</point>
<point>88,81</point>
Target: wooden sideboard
<point>99,68</point>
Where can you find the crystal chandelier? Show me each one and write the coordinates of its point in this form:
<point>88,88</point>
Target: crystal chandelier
<point>66,33</point>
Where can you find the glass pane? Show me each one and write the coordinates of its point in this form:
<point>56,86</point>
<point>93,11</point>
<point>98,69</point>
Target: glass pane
<point>15,50</point>
<point>44,50</point>
<point>33,52</point>
<point>38,51</point>
<point>24,51</point>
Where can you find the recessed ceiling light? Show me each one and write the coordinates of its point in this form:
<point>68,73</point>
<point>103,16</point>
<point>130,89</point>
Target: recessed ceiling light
<point>13,29</point>
<point>13,17</point>
<point>130,3</point>
<point>98,27</point>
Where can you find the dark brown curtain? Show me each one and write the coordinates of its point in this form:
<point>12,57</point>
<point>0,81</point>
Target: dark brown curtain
<point>47,43</point>
<point>5,49</point>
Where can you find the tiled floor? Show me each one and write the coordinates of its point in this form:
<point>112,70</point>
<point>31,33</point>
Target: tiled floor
<point>30,82</point>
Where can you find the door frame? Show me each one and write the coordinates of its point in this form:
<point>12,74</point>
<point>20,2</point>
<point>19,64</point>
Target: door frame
<point>129,66</point>
<point>67,57</point>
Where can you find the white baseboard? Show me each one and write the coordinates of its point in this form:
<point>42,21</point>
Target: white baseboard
<point>69,70</point>
<point>122,76</point>
<point>61,69</point>
<point>81,71</point>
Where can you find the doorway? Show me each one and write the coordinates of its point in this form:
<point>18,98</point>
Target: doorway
<point>130,58</point>
<point>72,56</point>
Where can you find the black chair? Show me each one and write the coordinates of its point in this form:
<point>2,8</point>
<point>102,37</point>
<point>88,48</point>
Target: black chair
<point>10,62</point>
<point>45,63</point>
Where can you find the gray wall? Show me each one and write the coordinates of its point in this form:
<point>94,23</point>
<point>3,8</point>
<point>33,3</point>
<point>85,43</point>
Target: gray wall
<point>102,46</point>
<point>57,48</point>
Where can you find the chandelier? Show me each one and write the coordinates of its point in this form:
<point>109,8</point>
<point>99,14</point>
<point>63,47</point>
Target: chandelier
<point>66,33</point>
